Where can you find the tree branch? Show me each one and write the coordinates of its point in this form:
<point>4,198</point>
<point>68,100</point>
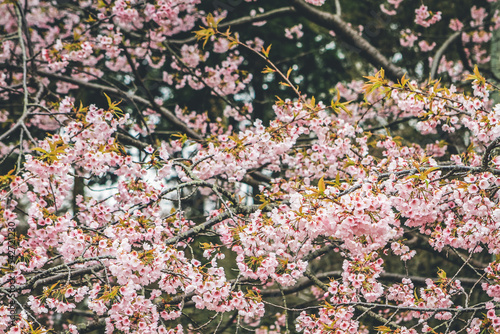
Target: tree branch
<point>487,153</point>
<point>439,53</point>
<point>211,222</point>
<point>364,309</point>
<point>21,119</point>
<point>391,277</point>
<point>162,110</point>
<point>349,35</point>
<point>241,21</point>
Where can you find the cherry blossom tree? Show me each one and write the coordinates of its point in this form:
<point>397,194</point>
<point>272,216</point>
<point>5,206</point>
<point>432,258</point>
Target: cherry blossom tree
<point>234,166</point>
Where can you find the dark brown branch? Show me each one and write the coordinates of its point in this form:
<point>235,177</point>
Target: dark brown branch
<point>129,140</point>
<point>350,36</point>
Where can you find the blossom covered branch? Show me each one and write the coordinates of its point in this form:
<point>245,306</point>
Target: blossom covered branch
<point>195,205</point>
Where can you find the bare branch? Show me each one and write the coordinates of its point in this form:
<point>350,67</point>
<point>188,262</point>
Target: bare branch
<point>349,35</point>
<point>21,119</point>
<point>439,53</point>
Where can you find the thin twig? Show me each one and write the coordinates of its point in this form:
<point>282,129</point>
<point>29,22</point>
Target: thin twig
<point>21,119</point>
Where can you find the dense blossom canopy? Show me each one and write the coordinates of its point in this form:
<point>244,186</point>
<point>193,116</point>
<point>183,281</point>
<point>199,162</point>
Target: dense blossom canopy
<point>173,166</point>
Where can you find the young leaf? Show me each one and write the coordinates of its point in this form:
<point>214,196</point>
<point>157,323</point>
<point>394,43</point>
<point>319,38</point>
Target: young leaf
<point>321,185</point>
<point>268,70</point>
<point>266,51</point>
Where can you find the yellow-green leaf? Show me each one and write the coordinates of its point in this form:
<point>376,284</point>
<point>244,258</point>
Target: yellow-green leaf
<point>108,98</point>
<point>39,149</point>
<point>263,205</point>
<point>268,70</point>
<point>266,51</point>
<point>313,102</point>
<point>321,185</point>
<point>383,329</point>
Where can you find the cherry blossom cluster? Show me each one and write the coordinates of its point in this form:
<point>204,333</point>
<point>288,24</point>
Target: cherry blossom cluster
<point>426,18</point>
<point>209,218</point>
